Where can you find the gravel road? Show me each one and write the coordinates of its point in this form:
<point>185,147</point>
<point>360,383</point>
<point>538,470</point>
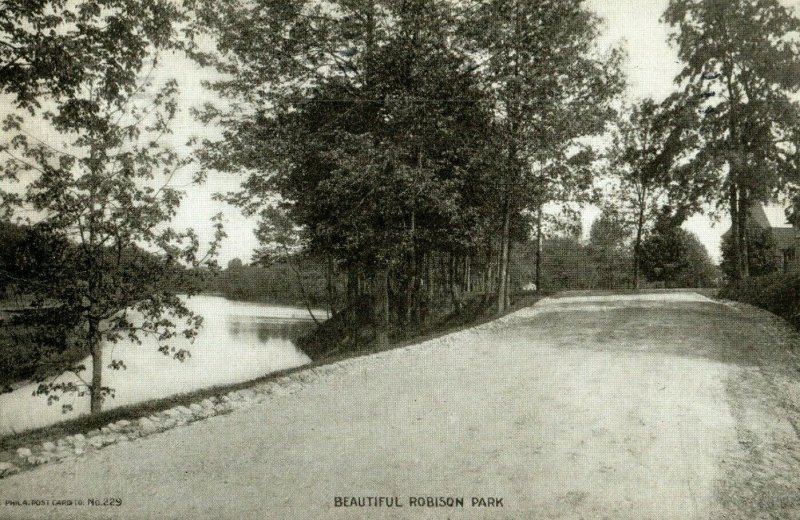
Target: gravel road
<point>667,406</point>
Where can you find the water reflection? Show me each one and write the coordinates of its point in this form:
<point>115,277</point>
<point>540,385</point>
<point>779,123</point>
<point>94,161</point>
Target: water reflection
<point>265,328</point>
<point>238,342</point>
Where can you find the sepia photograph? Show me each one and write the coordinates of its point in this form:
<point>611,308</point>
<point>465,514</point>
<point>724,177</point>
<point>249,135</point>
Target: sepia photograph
<point>400,259</point>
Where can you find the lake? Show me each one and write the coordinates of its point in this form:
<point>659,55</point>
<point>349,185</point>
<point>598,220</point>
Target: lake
<point>238,342</point>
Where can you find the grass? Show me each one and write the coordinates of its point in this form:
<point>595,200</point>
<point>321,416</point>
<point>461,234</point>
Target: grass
<point>83,424</point>
<point>710,292</point>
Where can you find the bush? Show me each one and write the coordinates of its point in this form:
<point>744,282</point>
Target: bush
<point>777,293</point>
<point>761,256</point>
<point>29,352</point>
<point>674,257</point>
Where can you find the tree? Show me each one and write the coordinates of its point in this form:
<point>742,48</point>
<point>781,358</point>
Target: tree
<point>742,67</point>
<point>648,161</point>
<point>675,257</point>
<point>609,241</point>
<point>235,263</point>
<point>610,231</point>
<point>101,213</point>
<point>548,84</point>
<point>761,258</point>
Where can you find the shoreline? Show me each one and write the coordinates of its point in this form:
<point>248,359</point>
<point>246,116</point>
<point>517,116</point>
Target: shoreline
<point>169,408</point>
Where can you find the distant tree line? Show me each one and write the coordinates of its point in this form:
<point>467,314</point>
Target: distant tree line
<point>669,257</point>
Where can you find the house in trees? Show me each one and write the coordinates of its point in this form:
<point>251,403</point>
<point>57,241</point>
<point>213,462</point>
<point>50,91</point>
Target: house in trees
<point>784,239</point>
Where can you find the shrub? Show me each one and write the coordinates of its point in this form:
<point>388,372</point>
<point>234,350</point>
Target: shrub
<point>761,256</point>
<point>777,293</point>
<point>674,257</point>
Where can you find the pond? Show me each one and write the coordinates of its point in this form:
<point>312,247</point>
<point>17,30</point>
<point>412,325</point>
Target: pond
<point>238,342</point>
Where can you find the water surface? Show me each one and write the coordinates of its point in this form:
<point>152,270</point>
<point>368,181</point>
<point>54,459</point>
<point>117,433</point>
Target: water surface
<point>238,341</point>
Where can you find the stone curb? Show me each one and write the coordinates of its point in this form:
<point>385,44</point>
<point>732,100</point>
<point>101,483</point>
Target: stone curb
<point>73,446</point>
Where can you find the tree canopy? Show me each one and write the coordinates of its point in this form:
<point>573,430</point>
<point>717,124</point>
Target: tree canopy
<point>741,73</point>
<point>101,207</point>
<point>52,47</point>
<point>402,138</point>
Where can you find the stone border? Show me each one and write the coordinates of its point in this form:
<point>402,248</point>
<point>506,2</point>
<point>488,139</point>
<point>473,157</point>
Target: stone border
<point>74,446</point>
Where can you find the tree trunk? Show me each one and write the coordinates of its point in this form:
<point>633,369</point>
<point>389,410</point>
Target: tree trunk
<point>352,286</point>
<point>735,237</point>
<point>417,302</point>
<point>488,285</point>
<point>744,213</point>
<point>429,290</point>
<point>302,287</point>
<point>412,273</point>
<point>508,278</point>
<point>502,287</point>
<point>454,283</point>
<point>539,249</point>
<point>467,274</point>
<point>637,249</point>
<point>382,309</point>
<point>329,287</point>
<point>96,388</point>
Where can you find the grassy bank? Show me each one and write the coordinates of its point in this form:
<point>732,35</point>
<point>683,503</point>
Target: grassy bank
<point>777,293</point>
<point>449,325</point>
<point>710,292</point>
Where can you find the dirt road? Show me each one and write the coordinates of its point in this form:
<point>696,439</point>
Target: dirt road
<point>666,406</point>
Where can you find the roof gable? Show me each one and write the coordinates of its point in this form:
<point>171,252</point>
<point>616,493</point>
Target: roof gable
<point>759,216</point>
<point>784,237</point>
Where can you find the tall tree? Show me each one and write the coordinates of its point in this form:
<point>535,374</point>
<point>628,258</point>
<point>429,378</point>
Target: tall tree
<point>762,257</point>
<point>648,161</point>
<point>103,204</point>
<point>675,257</point>
<point>549,85</point>
<point>741,69</point>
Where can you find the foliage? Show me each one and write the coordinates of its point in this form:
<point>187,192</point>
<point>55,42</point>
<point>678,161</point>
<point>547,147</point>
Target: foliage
<point>609,251</point>
<point>376,162</point>
<point>53,47</point>
<point>647,162</point>
<point>111,257</point>
<point>676,258</point>
<point>762,259</point>
<point>610,232</point>
<point>374,128</point>
<point>777,293</point>
<point>741,70</point>
<point>569,264</point>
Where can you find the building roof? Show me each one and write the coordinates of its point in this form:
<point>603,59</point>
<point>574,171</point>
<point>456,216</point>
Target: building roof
<point>759,216</point>
<point>784,237</point>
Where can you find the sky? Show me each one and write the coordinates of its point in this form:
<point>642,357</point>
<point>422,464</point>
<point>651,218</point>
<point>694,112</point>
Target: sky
<point>652,65</point>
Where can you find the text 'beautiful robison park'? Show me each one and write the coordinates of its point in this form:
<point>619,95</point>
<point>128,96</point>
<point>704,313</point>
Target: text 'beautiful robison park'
<point>416,501</point>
